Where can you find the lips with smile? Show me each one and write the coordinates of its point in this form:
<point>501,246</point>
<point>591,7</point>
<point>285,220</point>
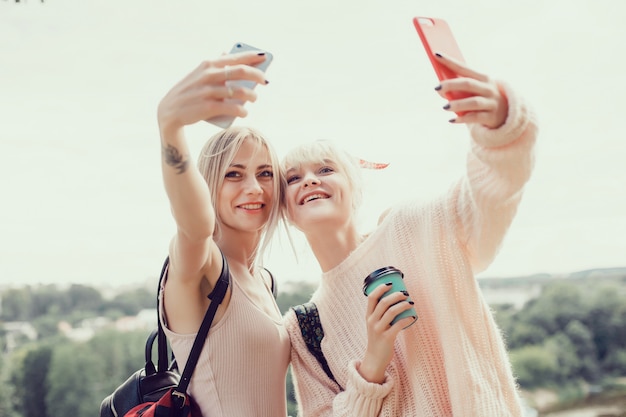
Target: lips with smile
<point>251,206</point>
<point>313,196</point>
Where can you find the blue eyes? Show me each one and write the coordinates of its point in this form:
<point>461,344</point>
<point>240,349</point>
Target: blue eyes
<point>292,179</point>
<point>325,170</point>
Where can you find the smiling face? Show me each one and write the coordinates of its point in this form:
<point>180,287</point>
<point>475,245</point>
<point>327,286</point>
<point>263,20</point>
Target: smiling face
<point>246,197</point>
<point>242,171</point>
<point>321,188</point>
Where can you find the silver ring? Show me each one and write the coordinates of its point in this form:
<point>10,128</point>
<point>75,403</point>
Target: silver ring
<point>226,72</point>
<point>230,91</point>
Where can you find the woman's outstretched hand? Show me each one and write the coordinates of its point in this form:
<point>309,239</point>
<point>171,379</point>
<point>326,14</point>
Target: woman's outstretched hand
<point>487,105</point>
<point>201,94</point>
<point>381,335</point>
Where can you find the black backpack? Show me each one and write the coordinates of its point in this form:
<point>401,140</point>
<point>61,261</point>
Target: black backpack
<point>151,382</point>
<point>149,386</point>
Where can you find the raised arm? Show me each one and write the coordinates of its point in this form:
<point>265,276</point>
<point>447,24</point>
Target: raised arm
<point>197,97</point>
<point>504,131</point>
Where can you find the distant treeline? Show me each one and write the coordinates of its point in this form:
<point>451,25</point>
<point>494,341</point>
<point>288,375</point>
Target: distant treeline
<point>44,306</point>
<point>572,335</point>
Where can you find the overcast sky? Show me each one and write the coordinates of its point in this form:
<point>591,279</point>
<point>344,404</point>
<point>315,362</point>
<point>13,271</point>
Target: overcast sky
<point>82,194</point>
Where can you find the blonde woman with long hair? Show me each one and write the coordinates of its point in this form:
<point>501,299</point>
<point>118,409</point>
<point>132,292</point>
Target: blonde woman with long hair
<point>227,205</point>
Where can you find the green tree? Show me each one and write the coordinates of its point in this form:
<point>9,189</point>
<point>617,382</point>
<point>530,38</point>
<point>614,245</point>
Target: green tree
<point>46,326</point>
<point>521,334</point>
<point>6,391</point>
<point>75,380</point>
<point>130,303</point>
<point>618,324</point>
<point>82,297</point>
<point>123,354</point>
<point>49,300</point>
<point>615,363</point>
<point>16,305</point>
<point>561,347</point>
<point>34,388</point>
<point>606,320</point>
<point>587,366</point>
<point>534,366</point>
<point>559,303</point>
<point>300,293</point>
<point>587,321</point>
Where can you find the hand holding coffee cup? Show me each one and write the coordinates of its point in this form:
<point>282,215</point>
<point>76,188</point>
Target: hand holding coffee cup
<point>394,279</point>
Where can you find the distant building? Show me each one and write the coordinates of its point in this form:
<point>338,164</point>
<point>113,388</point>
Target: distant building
<point>16,331</point>
<point>78,334</point>
<point>144,320</point>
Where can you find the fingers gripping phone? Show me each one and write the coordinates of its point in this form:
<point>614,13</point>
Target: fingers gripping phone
<point>436,36</point>
<point>226,121</point>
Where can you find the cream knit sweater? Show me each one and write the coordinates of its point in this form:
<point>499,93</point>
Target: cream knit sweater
<point>452,361</point>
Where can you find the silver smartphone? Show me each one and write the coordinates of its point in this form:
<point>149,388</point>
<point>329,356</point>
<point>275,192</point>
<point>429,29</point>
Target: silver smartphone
<point>226,121</point>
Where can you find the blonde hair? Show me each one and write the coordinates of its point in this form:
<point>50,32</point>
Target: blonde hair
<point>325,150</point>
<point>213,162</point>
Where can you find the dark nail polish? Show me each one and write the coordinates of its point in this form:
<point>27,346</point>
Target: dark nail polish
<point>261,53</point>
<point>405,293</point>
<point>411,302</point>
<point>446,107</point>
<point>438,55</point>
<point>389,283</point>
<point>452,120</point>
<point>266,82</point>
<point>438,88</point>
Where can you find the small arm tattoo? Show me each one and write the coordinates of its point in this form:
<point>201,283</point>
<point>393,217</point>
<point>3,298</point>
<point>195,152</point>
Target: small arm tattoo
<point>174,158</point>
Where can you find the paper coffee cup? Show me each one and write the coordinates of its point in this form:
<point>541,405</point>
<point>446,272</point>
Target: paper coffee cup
<point>396,277</point>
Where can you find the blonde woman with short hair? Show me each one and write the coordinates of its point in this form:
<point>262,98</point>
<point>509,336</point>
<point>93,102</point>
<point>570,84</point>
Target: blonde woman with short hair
<point>452,361</point>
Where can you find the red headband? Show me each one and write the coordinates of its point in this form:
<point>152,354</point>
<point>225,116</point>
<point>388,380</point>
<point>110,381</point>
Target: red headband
<point>372,165</point>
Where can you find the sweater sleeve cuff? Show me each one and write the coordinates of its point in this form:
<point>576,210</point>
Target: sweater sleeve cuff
<point>514,126</point>
<point>365,388</point>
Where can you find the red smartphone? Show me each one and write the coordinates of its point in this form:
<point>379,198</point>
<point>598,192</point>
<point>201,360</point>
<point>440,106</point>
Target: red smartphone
<point>436,36</point>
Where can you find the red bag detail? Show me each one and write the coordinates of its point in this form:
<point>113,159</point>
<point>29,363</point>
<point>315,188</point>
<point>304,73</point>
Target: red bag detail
<point>165,407</point>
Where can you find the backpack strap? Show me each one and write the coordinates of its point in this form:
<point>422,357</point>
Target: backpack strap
<point>162,361</point>
<point>274,284</point>
<point>313,333</point>
<point>216,296</point>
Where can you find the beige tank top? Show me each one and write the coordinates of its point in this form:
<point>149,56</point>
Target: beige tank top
<point>242,368</point>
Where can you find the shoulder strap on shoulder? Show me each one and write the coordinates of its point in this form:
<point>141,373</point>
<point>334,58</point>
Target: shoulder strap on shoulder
<point>313,333</point>
<point>274,285</point>
<point>216,296</point>
<point>162,364</point>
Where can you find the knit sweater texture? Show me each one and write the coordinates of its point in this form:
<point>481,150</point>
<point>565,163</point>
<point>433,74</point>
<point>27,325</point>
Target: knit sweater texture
<point>453,360</point>
<point>242,368</point>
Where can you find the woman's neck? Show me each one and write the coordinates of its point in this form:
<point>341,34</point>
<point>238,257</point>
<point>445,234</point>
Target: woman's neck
<point>240,249</point>
<point>331,247</point>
